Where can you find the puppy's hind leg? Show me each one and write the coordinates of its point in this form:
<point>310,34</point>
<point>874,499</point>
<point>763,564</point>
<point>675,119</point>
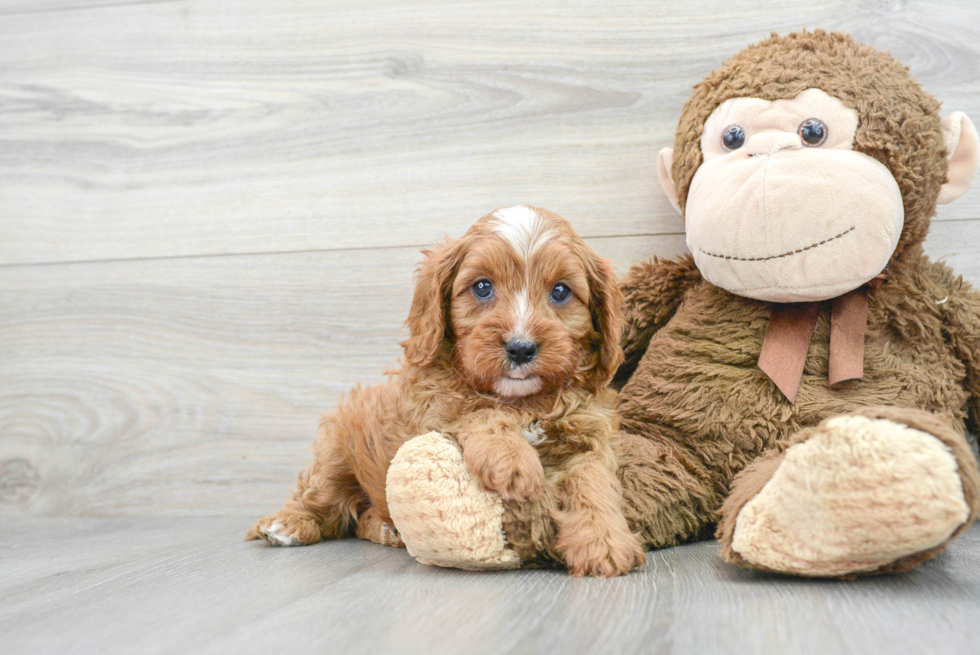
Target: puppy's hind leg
<point>324,504</point>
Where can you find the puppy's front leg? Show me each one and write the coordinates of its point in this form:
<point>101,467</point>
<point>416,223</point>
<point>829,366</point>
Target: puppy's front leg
<point>497,453</point>
<point>593,535</point>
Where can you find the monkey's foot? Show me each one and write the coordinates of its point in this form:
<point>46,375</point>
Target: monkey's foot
<point>878,491</point>
<point>442,514</point>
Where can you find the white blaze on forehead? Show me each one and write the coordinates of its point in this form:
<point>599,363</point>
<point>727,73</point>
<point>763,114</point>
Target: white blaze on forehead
<point>522,227</point>
<point>522,316</point>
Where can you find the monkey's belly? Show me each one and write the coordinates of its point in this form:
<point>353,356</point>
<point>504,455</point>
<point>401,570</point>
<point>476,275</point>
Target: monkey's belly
<point>699,384</point>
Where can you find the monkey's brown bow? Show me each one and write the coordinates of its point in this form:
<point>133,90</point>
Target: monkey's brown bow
<point>791,327</point>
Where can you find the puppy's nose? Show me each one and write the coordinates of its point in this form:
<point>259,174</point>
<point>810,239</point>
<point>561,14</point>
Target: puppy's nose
<point>520,352</point>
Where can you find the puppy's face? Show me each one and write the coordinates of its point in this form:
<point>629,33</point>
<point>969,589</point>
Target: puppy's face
<point>529,305</point>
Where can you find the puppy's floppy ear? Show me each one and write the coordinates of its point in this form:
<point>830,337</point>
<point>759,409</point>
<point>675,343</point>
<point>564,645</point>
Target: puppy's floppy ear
<point>606,304</point>
<point>427,319</point>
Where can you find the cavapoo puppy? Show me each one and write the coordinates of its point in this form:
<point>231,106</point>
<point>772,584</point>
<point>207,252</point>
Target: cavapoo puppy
<point>514,335</point>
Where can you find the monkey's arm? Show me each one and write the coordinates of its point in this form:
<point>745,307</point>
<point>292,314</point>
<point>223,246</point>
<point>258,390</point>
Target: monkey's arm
<point>962,309</point>
<point>653,291</point>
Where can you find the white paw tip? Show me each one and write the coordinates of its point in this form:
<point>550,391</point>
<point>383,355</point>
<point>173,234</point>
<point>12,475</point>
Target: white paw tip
<point>273,536</point>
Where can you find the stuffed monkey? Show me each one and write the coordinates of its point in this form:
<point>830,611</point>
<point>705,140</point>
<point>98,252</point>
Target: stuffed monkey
<point>803,381</point>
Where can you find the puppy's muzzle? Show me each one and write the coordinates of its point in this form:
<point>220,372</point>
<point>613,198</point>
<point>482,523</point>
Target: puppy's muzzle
<point>520,352</point>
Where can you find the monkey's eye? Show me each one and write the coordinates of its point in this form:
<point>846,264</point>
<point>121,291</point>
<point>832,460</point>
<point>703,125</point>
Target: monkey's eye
<point>813,132</point>
<point>560,293</point>
<point>483,289</point>
<point>733,138</point>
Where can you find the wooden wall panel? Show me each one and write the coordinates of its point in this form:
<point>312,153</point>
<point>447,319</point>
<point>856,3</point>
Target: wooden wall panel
<point>192,386</point>
<point>242,126</point>
<point>8,7</point>
<point>186,385</point>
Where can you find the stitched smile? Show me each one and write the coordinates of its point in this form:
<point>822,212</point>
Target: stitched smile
<point>785,254</point>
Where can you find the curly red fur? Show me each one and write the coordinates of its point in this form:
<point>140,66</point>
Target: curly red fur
<point>456,379</point>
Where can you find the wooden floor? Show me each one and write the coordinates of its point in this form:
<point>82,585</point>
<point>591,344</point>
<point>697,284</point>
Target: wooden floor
<point>192,586</point>
<point>210,211</point>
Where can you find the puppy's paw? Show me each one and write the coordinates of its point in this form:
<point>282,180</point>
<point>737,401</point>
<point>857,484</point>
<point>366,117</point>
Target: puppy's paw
<point>388,536</point>
<point>511,468</point>
<point>602,557</point>
<point>372,526</point>
<point>286,528</point>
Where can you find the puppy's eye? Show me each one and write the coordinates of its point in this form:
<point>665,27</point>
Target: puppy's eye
<point>560,293</point>
<point>483,289</point>
<point>813,132</point>
<point>733,138</point>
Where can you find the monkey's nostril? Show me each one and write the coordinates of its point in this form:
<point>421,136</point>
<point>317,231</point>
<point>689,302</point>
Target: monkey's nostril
<point>520,352</point>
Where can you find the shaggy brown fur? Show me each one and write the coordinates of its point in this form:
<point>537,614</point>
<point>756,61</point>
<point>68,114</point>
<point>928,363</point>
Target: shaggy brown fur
<point>696,409</point>
<point>456,379</point>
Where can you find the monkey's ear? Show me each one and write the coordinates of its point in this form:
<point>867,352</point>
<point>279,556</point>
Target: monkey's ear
<point>963,148</point>
<point>665,160</point>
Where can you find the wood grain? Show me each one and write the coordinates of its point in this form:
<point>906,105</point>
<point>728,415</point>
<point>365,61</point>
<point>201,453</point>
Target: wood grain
<point>191,585</point>
<point>44,6</point>
<point>176,386</point>
<point>244,126</point>
<point>193,386</point>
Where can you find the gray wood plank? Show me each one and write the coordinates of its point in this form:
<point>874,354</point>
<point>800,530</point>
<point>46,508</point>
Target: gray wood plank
<point>216,127</point>
<point>44,6</point>
<point>190,585</point>
<point>193,386</point>
<point>158,588</point>
<point>172,386</point>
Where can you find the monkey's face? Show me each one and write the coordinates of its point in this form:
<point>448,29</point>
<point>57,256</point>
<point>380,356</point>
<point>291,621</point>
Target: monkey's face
<point>783,208</point>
